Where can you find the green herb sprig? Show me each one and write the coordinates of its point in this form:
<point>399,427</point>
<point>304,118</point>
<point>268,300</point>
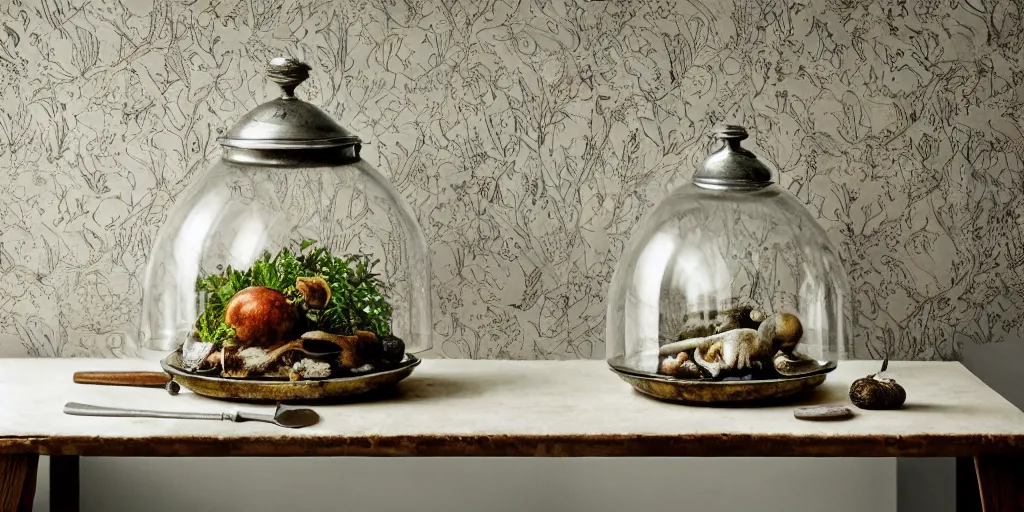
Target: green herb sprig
<point>357,302</point>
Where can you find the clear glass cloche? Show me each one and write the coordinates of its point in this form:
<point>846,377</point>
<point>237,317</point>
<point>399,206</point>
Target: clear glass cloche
<point>729,278</point>
<point>289,245</point>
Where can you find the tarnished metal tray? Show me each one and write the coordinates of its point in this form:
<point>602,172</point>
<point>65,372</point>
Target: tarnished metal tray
<point>283,390</point>
<point>719,391</point>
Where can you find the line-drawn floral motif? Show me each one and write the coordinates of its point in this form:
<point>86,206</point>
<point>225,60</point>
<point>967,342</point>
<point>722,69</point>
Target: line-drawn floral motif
<point>531,136</point>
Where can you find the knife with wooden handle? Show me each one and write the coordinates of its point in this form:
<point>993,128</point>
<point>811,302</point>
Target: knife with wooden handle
<point>137,379</point>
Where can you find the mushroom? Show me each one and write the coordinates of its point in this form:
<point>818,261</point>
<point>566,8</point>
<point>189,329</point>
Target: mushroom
<point>743,317</point>
<point>259,315</point>
<point>315,291</point>
<point>783,329</point>
<point>212,360</point>
<point>738,349</point>
<point>367,350</point>
<point>670,365</point>
<point>679,366</point>
<point>795,365</point>
<point>241,362</point>
<point>361,349</point>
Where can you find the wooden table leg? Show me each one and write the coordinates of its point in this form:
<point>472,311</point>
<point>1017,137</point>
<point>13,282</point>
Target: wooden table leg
<point>64,483</point>
<point>18,482</point>
<point>968,498</point>
<point>1001,482</point>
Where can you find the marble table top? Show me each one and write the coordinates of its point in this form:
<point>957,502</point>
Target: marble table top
<point>511,408</point>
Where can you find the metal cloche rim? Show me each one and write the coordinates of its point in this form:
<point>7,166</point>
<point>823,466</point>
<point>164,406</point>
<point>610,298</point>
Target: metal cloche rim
<point>289,144</point>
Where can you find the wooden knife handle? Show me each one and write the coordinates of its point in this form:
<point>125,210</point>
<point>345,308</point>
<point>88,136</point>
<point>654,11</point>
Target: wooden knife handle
<point>137,379</point>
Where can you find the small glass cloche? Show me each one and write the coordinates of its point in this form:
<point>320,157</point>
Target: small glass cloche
<point>291,257</point>
<point>729,279</point>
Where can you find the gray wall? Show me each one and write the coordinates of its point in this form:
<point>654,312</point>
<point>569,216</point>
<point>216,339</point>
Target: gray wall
<point>529,136</point>
<point>479,485</point>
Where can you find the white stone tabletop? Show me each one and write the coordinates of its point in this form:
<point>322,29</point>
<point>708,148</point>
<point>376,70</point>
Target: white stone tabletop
<point>511,408</point>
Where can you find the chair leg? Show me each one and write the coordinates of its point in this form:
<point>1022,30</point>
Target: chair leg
<point>18,482</point>
<point>1000,482</point>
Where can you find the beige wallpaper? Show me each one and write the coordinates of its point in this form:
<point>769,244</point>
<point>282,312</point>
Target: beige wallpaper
<point>530,135</point>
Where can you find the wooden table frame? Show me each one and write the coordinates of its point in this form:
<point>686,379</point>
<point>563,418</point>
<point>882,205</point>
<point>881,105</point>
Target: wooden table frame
<point>999,476</point>
<point>988,436</point>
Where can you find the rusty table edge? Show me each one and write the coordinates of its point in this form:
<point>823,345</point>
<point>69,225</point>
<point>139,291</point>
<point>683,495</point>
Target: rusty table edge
<point>605,445</point>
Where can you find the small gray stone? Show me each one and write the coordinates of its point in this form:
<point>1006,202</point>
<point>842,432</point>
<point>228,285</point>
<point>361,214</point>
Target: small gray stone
<point>822,412</point>
<point>394,349</point>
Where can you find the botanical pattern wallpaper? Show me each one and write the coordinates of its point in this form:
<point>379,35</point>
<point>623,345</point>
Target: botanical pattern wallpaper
<point>531,136</point>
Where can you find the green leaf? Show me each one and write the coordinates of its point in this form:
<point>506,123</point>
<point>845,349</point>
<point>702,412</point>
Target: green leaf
<point>357,302</point>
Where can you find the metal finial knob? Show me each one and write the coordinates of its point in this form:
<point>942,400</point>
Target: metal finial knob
<point>731,132</point>
<point>288,73</point>
<point>732,167</point>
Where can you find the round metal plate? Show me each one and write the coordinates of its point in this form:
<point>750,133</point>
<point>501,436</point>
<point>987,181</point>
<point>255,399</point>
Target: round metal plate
<point>282,390</point>
<point>718,391</point>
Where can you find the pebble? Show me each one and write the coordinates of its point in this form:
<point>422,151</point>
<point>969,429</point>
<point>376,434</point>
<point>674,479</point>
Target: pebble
<point>822,412</point>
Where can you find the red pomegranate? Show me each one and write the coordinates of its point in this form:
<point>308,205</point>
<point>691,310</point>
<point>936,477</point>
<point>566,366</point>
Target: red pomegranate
<point>259,315</point>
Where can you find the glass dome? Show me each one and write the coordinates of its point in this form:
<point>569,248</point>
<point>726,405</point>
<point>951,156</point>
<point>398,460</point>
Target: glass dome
<point>289,241</point>
<point>730,277</point>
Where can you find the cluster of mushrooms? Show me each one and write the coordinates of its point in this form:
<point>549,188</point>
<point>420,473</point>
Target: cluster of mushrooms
<point>268,340</point>
<point>742,342</point>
